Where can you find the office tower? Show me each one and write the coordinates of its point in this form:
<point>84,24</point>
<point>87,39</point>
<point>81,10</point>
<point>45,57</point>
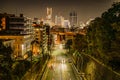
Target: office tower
<point>73,19</point>
<point>49,13</point>
<point>66,24</point>
<point>59,20</point>
<point>49,16</point>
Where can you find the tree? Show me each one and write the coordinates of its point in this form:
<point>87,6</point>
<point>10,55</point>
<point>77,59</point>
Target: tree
<point>5,62</point>
<point>68,44</point>
<point>80,42</point>
<point>112,14</point>
<point>99,37</point>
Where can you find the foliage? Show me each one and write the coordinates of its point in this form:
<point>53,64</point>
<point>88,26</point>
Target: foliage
<point>81,42</point>
<point>68,43</point>
<point>99,35</point>
<point>112,14</point>
<point>20,67</point>
<point>5,62</point>
<point>9,69</point>
<point>103,36</point>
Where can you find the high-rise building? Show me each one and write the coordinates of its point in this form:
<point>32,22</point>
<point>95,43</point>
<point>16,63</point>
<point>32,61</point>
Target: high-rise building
<point>66,24</point>
<point>73,19</point>
<point>19,29</point>
<point>36,20</point>
<point>20,24</point>
<point>49,13</point>
<point>59,20</point>
<point>49,16</point>
<point>4,21</point>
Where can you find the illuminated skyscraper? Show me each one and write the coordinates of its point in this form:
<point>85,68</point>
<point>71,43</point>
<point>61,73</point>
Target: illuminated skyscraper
<point>73,19</point>
<point>66,24</point>
<point>49,13</point>
<point>49,16</point>
<point>59,20</point>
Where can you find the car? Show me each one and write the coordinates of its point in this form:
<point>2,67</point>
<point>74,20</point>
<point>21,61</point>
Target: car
<point>63,61</point>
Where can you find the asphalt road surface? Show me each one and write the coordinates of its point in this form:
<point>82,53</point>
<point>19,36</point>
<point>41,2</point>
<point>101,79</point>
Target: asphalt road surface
<point>59,66</point>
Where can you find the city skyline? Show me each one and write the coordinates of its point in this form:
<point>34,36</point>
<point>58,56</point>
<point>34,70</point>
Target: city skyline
<point>85,9</point>
<point>79,44</point>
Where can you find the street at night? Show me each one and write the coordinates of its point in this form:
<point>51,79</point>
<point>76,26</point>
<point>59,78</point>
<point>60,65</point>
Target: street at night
<point>59,39</point>
<point>58,67</point>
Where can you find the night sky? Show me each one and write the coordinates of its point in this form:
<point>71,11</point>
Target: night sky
<point>37,8</point>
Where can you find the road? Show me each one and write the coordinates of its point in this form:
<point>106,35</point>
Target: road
<point>59,67</point>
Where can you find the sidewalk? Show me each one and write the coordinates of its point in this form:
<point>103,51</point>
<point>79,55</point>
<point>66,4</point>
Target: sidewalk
<point>79,76</point>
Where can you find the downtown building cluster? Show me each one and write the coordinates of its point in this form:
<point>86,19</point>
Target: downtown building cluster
<point>29,36</point>
<point>18,33</point>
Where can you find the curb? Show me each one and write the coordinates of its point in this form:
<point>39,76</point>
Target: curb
<point>73,67</point>
<point>40,75</point>
<point>78,75</point>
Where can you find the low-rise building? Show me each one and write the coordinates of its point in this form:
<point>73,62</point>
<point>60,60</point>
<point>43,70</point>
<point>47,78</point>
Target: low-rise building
<point>8,42</point>
<point>22,44</point>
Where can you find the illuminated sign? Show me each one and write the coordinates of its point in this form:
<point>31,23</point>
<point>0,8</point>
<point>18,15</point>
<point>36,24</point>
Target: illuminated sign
<point>3,24</point>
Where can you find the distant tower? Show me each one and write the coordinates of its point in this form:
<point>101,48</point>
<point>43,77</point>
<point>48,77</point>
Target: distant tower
<point>49,13</point>
<point>59,20</point>
<point>73,18</point>
<point>49,16</point>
